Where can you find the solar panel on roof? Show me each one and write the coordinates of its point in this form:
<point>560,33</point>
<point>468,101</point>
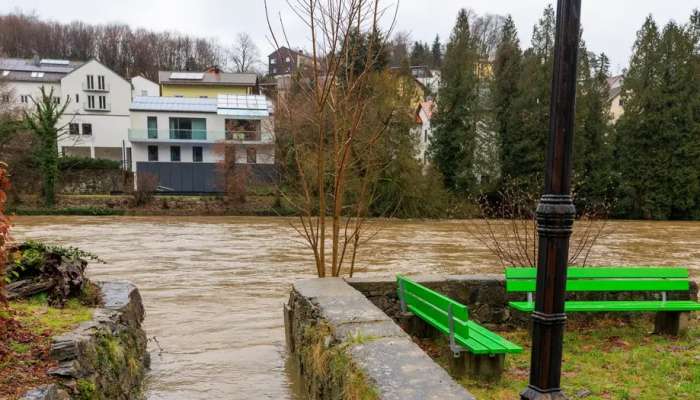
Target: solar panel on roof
<point>187,75</point>
<point>54,62</point>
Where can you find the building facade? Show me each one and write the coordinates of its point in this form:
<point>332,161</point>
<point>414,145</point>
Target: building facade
<point>96,119</point>
<point>186,143</point>
<point>207,84</point>
<point>285,61</point>
<point>615,97</point>
<point>423,129</point>
<point>143,87</point>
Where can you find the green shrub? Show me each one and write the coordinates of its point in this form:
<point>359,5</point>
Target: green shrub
<point>71,162</point>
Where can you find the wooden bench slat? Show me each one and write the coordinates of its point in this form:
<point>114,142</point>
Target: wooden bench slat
<point>605,272</point>
<point>617,306</point>
<point>434,316</point>
<point>490,339</point>
<point>435,298</point>
<point>610,285</point>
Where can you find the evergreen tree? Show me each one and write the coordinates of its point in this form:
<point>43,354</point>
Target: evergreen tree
<point>43,122</point>
<point>659,133</point>
<point>453,143</point>
<point>506,69</point>
<point>436,53</point>
<point>528,139</point>
<point>593,171</point>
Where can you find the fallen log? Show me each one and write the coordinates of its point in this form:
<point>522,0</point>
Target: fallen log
<point>28,287</point>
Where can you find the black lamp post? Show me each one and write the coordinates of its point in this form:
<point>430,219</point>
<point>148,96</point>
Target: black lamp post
<point>555,214</point>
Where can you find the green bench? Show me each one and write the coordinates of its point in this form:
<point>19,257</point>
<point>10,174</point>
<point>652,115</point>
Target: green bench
<point>475,349</point>
<point>672,315</point>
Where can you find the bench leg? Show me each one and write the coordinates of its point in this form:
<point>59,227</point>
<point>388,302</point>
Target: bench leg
<point>671,323</point>
<point>416,327</point>
<point>486,367</point>
<point>457,366</point>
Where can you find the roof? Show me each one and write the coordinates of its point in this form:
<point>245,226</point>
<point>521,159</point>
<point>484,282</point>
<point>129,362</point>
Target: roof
<point>35,70</point>
<point>287,51</point>
<point>249,106</point>
<point>615,86</point>
<point>207,78</point>
<point>175,104</point>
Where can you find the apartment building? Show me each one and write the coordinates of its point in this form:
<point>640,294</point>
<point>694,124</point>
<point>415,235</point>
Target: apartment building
<point>97,115</point>
<point>184,141</point>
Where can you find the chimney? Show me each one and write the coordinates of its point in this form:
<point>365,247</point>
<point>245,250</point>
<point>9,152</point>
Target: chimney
<point>36,60</point>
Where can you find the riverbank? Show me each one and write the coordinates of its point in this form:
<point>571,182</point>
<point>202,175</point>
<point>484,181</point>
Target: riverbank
<point>262,203</point>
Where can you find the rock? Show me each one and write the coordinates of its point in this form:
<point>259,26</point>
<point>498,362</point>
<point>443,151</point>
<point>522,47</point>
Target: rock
<point>48,392</point>
<point>583,393</point>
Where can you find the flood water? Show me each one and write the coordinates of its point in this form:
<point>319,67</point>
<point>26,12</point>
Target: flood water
<point>213,287</point>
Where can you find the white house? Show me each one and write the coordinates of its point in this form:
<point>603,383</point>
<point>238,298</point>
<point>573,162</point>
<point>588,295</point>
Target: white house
<point>423,128</point>
<point>97,116</point>
<point>615,97</point>
<point>182,140</point>
<point>143,87</point>
<point>98,113</point>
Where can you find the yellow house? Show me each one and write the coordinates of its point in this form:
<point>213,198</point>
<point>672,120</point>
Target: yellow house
<point>207,84</point>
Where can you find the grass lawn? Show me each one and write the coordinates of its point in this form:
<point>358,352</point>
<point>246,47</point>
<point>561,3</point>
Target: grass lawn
<point>604,360</point>
<point>26,328</point>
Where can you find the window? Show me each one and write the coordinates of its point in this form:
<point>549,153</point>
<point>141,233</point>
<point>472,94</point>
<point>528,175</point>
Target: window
<point>87,129</point>
<point>91,102</point>
<point>90,82</point>
<point>37,74</point>
<point>203,97</point>
<point>103,102</point>
<point>73,129</point>
<point>5,73</point>
<point>56,100</point>
<point>287,60</point>
<point>174,153</point>
<point>144,93</point>
<point>426,136</point>
<point>77,98</point>
<point>274,70</point>
<point>101,82</point>
<point>152,153</point>
<point>5,98</point>
<point>621,102</point>
<point>197,154</point>
<point>24,98</point>
<point>273,61</point>
<point>152,123</point>
<point>242,129</point>
<point>188,128</point>
<point>251,155</point>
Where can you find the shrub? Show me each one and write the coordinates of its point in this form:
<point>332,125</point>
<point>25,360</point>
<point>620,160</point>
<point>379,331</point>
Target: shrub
<point>73,162</point>
<point>146,187</point>
<point>4,228</point>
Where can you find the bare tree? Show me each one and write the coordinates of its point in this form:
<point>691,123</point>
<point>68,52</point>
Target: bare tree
<point>333,130</point>
<point>509,228</point>
<point>244,54</point>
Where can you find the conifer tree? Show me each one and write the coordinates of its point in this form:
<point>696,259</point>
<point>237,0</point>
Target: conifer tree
<point>659,133</point>
<point>436,53</point>
<point>505,91</point>
<point>528,139</point>
<point>453,142</point>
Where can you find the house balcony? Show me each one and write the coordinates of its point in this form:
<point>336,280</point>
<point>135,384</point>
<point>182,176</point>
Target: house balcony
<point>95,88</point>
<point>199,136</point>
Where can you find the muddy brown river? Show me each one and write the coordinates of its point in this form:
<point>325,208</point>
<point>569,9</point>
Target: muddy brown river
<point>213,287</point>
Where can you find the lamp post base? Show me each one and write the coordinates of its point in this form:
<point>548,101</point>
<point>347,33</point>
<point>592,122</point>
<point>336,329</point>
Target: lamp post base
<point>532,393</point>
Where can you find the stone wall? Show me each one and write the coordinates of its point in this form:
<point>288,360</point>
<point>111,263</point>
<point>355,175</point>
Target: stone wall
<point>486,297</point>
<point>95,181</point>
<point>104,358</point>
<point>346,347</point>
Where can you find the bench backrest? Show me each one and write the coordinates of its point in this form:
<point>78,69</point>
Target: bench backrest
<point>606,279</point>
<point>433,307</point>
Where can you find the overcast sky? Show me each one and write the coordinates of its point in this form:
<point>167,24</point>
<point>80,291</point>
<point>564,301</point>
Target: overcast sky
<point>609,25</point>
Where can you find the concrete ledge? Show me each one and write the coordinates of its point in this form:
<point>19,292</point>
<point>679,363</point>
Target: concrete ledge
<point>384,355</point>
